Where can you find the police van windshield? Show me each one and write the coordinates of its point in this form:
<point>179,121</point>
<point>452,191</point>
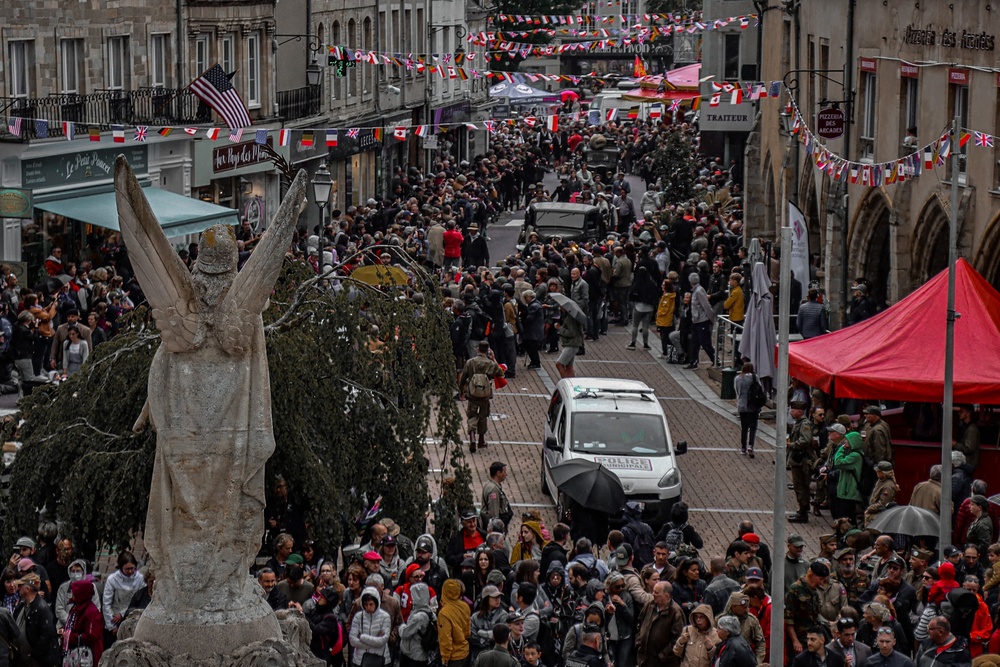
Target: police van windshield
<point>602,433</point>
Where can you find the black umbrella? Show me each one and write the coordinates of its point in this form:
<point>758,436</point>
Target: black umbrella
<point>906,520</point>
<point>591,485</point>
<point>572,307</point>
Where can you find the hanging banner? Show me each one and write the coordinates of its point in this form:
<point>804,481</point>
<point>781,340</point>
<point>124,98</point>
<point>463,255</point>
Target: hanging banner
<point>799,259</point>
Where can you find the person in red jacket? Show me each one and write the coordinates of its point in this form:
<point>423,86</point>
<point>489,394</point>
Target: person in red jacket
<point>84,626</point>
<point>453,240</point>
<point>402,593</point>
<point>982,624</point>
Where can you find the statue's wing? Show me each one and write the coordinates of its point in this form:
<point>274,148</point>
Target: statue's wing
<point>253,284</point>
<point>165,280</point>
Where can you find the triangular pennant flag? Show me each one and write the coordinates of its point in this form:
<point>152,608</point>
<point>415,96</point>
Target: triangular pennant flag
<point>332,136</point>
<point>284,137</point>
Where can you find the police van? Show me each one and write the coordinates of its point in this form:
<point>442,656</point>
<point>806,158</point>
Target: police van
<point>621,425</point>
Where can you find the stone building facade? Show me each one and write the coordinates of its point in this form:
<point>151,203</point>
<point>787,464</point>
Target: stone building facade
<point>912,66</point>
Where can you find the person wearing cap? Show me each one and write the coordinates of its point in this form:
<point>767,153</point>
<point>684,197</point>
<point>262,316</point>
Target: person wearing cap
<point>827,546</point>
<point>802,606</point>
<point>738,605</point>
<point>465,542</point>
<point>927,494</point>
<point>884,492</point>
<point>795,565</point>
<point>863,305</point>
<point>876,435</point>
<point>391,566</point>
<point>800,459</point>
<point>854,580</point>
<point>832,597</point>
<point>294,585</point>
<point>920,560</point>
<point>489,614</point>
<point>35,618</point>
<point>904,599</point>
<point>624,558</point>
<point>845,465</point>
<point>494,500</point>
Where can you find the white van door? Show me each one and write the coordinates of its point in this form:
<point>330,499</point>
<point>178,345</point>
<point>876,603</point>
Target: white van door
<point>555,438</point>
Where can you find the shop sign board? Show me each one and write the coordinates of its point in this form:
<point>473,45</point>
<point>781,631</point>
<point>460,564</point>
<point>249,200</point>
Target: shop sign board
<point>15,203</point>
<point>80,167</point>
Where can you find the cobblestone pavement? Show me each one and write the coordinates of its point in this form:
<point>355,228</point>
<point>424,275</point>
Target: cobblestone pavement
<point>721,486</point>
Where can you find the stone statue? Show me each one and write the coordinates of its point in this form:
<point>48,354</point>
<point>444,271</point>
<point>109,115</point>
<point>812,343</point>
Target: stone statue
<point>209,401</point>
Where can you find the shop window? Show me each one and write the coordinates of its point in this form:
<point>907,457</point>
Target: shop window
<point>201,55</point>
<point>253,70</point>
<point>71,57</point>
<point>731,56</point>
<point>869,114</point>
<point>909,111</point>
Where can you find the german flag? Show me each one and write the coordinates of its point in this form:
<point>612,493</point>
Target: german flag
<point>165,131</point>
<point>307,138</point>
<point>377,133</point>
<point>633,113</point>
<point>95,133</point>
<point>462,74</point>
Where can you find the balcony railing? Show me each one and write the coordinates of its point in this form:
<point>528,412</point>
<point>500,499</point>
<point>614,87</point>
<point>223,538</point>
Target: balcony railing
<point>146,106</point>
<point>300,102</point>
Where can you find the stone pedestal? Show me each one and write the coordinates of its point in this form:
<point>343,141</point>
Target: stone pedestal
<point>193,646</point>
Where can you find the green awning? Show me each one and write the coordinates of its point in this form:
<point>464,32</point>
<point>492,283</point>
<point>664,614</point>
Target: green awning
<point>178,215</point>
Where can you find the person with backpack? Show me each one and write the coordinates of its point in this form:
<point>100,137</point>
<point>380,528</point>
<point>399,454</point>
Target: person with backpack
<point>418,636</point>
<point>750,400</point>
<point>638,534</point>
<point>476,383</point>
<point>327,642</point>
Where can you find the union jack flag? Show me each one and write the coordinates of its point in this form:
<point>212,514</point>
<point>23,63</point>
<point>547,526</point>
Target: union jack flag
<point>984,140</point>
<point>353,132</point>
<point>140,132</point>
<point>675,105</point>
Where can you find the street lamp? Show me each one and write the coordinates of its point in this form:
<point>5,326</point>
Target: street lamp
<point>314,73</point>
<point>322,184</point>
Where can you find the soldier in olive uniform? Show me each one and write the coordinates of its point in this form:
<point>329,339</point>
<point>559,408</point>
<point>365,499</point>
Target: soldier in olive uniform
<point>477,410</point>
<point>854,581</point>
<point>884,492</point>
<point>877,436</point>
<point>832,598</point>
<point>799,460</point>
<point>802,606</point>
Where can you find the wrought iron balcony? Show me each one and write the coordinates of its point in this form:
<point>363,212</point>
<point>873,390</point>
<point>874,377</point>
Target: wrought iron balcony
<point>300,102</point>
<point>145,106</point>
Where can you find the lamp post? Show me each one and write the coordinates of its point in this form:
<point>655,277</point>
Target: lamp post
<point>322,184</point>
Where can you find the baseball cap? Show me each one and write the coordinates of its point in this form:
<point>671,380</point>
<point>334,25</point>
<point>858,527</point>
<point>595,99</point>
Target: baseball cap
<point>491,592</point>
<point>294,559</point>
<point>468,513</point>
<point>755,573</point>
<point>424,544</point>
<point>32,580</point>
<point>514,617</point>
<point>388,541</point>
<point>495,577</point>
<point>796,540</point>
<point>25,564</point>
<point>897,561</point>
<point>950,551</point>
<point>837,428</point>
<point>623,555</point>
<point>25,542</point>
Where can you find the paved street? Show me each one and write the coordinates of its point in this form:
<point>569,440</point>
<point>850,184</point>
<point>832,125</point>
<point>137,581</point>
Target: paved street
<point>721,486</point>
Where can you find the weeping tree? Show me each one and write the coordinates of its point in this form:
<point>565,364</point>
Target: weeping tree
<point>674,162</point>
<point>359,379</point>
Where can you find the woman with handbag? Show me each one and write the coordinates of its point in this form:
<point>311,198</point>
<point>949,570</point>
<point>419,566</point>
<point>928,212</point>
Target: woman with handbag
<point>83,634</point>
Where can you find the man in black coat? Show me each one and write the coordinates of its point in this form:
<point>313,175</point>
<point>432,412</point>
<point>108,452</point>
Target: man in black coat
<point>35,616</point>
<point>844,645</point>
<point>816,653</point>
<point>464,543</point>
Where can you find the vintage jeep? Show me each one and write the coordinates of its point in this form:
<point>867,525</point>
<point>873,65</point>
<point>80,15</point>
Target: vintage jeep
<point>570,222</point>
<point>601,157</point>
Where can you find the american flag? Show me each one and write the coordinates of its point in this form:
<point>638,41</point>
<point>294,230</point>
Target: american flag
<point>140,132</point>
<point>14,126</point>
<point>353,132</point>
<point>216,90</point>
<point>236,135</point>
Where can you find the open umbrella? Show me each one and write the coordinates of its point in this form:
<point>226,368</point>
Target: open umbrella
<point>759,338</point>
<point>591,485</point>
<point>906,520</point>
<point>572,307</point>
<point>381,275</point>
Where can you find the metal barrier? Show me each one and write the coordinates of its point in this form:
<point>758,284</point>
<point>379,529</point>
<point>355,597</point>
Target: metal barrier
<point>727,336</point>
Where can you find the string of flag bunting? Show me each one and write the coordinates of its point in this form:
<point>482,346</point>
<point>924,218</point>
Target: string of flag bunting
<point>877,173</point>
<point>627,21</point>
<point>564,19</point>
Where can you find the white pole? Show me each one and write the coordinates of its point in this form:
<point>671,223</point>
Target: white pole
<point>949,347</point>
<point>777,656</point>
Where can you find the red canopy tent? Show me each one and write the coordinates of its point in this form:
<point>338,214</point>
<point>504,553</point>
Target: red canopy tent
<point>899,353</point>
<point>678,84</point>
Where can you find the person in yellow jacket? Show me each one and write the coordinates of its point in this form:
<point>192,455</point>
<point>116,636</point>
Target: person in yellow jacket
<point>530,543</point>
<point>665,316</point>
<point>734,305</point>
<point>454,625</point>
